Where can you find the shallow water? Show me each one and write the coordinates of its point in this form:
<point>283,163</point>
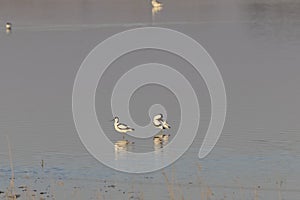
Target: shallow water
<point>256,46</point>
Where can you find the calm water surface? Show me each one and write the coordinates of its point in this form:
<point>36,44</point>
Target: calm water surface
<point>256,46</point>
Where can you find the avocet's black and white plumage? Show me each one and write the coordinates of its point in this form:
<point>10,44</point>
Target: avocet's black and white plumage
<point>160,123</point>
<point>121,128</point>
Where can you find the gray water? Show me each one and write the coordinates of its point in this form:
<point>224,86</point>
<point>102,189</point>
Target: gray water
<point>256,46</point>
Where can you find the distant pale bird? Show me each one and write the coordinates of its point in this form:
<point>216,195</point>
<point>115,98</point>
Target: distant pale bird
<point>160,123</point>
<point>156,4</point>
<point>8,26</point>
<point>121,128</point>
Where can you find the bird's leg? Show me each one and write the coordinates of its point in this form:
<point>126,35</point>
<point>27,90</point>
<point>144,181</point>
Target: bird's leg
<point>123,137</point>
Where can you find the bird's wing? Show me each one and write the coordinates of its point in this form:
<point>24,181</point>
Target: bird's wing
<point>162,121</point>
<point>158,117</point>
<point>122,126</point>
<point>156,123</point>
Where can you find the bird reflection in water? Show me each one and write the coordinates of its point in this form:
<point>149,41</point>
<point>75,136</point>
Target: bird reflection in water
<point>156,4</point>
<point>159,141</point>
<point>155,10</point>
<point>121,148</point>
<point>8,31</point>
<point>158,148</point>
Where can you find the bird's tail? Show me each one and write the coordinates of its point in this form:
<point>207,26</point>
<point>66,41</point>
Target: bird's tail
<point>166,125</point>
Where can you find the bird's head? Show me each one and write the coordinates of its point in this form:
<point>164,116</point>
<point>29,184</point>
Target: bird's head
<point>116,119</point>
